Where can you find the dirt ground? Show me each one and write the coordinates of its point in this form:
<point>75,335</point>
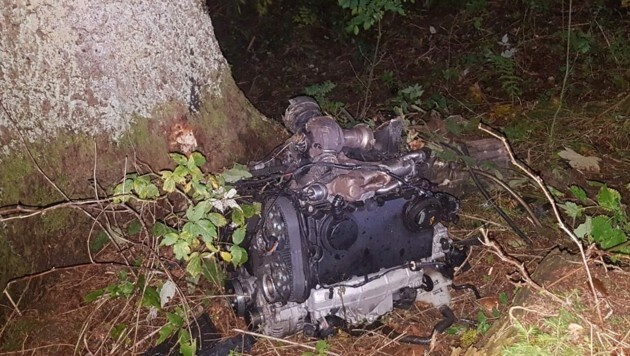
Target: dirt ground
<point>452,52</point>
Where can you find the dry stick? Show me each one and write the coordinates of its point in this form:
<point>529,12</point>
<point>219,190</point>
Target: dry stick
<point>280,340</point>
<point>498,251</point>
<point>556,212</point>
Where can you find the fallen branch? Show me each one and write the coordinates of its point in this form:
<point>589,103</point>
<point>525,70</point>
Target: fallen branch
<point>556,211</point>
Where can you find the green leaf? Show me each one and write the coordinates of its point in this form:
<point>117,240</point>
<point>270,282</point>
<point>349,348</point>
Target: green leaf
<point>169,185</point>
<point>181,249</point>
<point>186,346</point>
<point>134,227</point>
<point>117,331</point>
<point>170,239</point>
<point>94,295</point>
<point>175,319</point>
<point>578,193</point>
<point>199,158</point>
<point>196,212</point>
<point>239,255</point>
<point>98,242</point>
<point>250,210</point>
<point>159,229</point>
<point>217,219</point>
<point>503,298</point>
<point>180,173</point>
<point>605,234</point>
<point>165,332</point>
<point>150,192</point>
<point>609,198</point>
<point>238,235</point>
<point>178,158</point>
<point>122,192</point>
<point>238,217</point>
<point>193,267</point>
<point>236,173</point>
<point>555,192</point>
<point>151,298</point>
<point>207,231</point>
<point>572,209</point>
<point>584,229</point>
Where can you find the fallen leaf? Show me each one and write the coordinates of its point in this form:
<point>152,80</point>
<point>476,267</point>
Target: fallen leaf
<point>579,162</point>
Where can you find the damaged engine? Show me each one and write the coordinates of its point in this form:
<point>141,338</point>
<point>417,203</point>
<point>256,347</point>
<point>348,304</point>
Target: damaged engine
<point>349,229</point>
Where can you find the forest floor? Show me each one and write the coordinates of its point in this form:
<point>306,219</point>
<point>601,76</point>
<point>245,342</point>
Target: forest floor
<point>564,107</point>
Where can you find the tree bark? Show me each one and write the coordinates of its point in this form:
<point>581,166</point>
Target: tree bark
<point>91,88</point>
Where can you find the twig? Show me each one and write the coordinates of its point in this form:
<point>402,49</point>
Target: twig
<point>523,203</point>
<point>280,340</point>
<point>556,212</point>
<point>566,77</point>
<point>17,310</point>
<point>373,65</point>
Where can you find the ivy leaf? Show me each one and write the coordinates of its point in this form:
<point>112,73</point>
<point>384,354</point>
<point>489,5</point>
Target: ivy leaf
<point>578,193</point>
<point>181,249</point>
<point>239,255</point>
<point>239,235</point>
<point>178,158</point>
<point>605,234</point>
<point>194,265</point>
<point>609,198</point>
<point>170,239</point>
<point>572,209</point>
<point>217,219</point>
<point>236,173</point>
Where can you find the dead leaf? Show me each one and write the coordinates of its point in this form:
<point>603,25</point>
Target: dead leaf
<point>579,162</point>
<point>477,94</point>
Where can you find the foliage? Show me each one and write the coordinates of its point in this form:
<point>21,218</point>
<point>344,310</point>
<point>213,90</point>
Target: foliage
<point>559,335</point>
<point>305,16</point>
<point>194,233</point>
<point>604,219</point>
<point>321,349</point>
<point>409,98</point>
<point>320,92</point>
<point>505,67</point>
<point>366,13</point>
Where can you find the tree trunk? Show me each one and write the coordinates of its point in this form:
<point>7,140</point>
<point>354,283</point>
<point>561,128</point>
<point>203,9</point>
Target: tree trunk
<point>91,88</point>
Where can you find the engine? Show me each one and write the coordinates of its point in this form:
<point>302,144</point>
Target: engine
<point>349,229</point>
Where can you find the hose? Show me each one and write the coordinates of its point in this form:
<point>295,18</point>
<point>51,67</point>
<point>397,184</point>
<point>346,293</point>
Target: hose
<point>449,319</point>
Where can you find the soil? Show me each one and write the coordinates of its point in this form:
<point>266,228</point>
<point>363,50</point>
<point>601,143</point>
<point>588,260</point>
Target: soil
<point>448,49</point>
